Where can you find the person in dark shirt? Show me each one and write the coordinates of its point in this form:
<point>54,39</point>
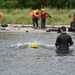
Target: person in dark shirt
<point>63,41</point>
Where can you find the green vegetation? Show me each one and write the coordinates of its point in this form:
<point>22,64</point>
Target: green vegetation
<point>21,16</point>
<point>8,4</point>
<point>17,11</point>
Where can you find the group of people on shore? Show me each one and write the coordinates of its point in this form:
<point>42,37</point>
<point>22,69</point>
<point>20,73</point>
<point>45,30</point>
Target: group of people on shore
<point>36,15</point>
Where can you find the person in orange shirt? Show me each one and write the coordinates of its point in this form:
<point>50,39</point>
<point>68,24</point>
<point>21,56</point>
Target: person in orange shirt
<point>35,16</point>
<point>73,18</point>
<point>43,15</point>
<point>0,15</point>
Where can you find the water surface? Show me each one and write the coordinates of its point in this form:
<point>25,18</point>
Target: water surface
<point>17,58</point>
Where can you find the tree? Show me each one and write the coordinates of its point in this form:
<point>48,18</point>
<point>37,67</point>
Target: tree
<point>9,4</point>
<point>34,4</point>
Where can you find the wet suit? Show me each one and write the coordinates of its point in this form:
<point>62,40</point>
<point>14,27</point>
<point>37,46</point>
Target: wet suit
<point>63,42</point>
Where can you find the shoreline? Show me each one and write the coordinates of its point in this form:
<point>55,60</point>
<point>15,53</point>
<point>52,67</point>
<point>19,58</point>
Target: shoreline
<point>28,28</point>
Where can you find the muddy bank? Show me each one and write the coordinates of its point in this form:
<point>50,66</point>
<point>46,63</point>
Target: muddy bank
<point>28,28</point>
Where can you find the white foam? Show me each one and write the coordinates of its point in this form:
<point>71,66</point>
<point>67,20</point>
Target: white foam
<point>38,44</point>
<point>19,44</point>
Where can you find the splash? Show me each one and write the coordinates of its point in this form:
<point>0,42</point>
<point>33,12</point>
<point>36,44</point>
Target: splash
<point>26,45</point>
<point>20,45</point>
<point>51,46</point>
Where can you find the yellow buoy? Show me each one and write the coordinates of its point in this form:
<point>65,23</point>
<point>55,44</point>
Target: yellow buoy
<point>33,45</point>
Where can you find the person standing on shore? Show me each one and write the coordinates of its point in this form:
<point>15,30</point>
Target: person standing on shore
<point>43,15</point>
<point>35,16</point>
<point>63,41</point>
<point>73,18</point>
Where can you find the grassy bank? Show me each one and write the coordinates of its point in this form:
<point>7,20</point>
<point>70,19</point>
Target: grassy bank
<point>21,16</point>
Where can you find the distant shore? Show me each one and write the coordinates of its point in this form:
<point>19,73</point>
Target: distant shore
<point>21,16</point>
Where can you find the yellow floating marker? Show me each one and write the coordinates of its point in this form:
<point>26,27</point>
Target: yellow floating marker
<point>33,45</point>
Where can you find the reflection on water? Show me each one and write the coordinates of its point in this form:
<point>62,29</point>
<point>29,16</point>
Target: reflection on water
<point>17,58</point>
<point>68,53</point>
<point>0,35</point>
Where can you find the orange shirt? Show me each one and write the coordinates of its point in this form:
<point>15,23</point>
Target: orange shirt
<point>0,15</point>
<point>73,18</point>
<point>45,14</point>
<point>34,14</point>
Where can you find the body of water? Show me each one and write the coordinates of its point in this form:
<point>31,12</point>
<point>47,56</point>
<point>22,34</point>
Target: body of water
<point>17,58</point>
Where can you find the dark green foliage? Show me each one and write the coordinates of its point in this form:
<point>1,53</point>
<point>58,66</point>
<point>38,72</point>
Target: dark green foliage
<point>34,4</point>
<point>9,4</point>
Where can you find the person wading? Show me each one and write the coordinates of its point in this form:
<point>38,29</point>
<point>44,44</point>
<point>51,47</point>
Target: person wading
<point>43,15</point>
<point>63,41</point>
